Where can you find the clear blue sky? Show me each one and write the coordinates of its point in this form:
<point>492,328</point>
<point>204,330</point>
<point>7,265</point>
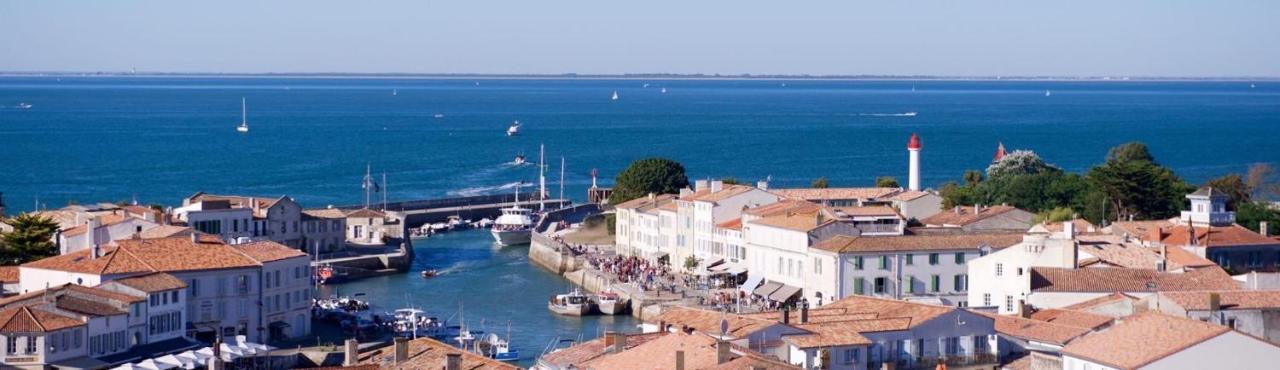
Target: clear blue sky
<point>1076,37</point>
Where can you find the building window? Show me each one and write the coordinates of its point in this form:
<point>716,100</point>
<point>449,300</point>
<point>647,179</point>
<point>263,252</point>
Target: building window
<point>174,295</point>
<point>859,286</point>
<point>881,285</point>
<point>851,356</point>
<point>910,259</point>
<point>1255,259</point>
<point>194,287</point>
<point>857,263</point>
<point>12,346</point>
<point>1008,303</point>
<point>961,282</point>
<point>31,344</point>
<point>1231,323</point>
<point>959,258</point>
<point>155,300</point>
<point>933,258</point>
<point>953,345</point>
<point>999,269</point>
<point>986,299</point>
<point>980,344</point>
<point>1019,271</point>
<point>884,262</point>
<point>935,284</point>
<point>909,284</point>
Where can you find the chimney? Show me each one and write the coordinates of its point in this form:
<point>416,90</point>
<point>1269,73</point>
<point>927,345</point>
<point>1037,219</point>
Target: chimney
<point>1069,229</point>
<point>619,343</point>
<point>651,196</point>
<point>90,232</point>
<point>662,326</point>
<point>977,208</point>
<point>716,185</point>
<point>609,341</point>
<point>804,312</point>
<point>1215,303</point>
<point>95,251</point>
<point>1157,234</point>
<point>723,354</point>
<point>350,352</point>
<point>698,185</point>
<point>402,349</point>
<point>1262,226</point>
<point>253,203</point>
<point>957,210</point>
<point>786,316</point>
<point>453,361</point>
<point>1024,309</point>
<point>762,185</point>
<point>679,360</point>
<point>195,237</point>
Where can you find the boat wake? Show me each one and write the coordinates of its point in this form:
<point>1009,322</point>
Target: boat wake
<point>483,190</point>
<point>905,114</point>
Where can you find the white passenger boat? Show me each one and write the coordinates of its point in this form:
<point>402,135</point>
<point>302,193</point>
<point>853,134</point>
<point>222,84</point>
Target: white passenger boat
<point>572,304</point>
<point>610,303</point>
<point>514,129</point>
<point>514,226</point>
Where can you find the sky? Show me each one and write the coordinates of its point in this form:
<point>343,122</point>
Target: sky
<point>951,38</point>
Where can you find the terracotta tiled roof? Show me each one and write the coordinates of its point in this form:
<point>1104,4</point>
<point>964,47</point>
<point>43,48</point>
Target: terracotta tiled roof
<point>1182,257</point>
<point>1227,300</point>
<point>23,319</point>
<point>796,221</point>
<point>1109,298</point>
<point>1022,363</point>
<point>324,213</point>
<point>426,353</point>
<point>1074,318</point>
<point>1115,279</point>
<point>1115,251</point>
<point>734,224</point>
<point>963,215</point>
<point>644,203</point>
<point>151,283</point>
<point>593,349</point>
<point>366,213</point>
<point>918,313</point>
<point>908,195</point>
<point>860,244</point>
<point>1082,226</point>
<point>754,360</point>
<point>149,255</point>
<point>165,231</point>
<point>726,192</point>
<point>8,274</point>
<point>104,220</point>
<point>843,333</point>
<point>782,207</point>
<point>660,354</point>
<point>1142,339</point>
<point>707,321</point>
<point>866,211</point>
<point>268,251</point>
<point>1226,236</point>
<point>814,195</point>
<point>1040,331</point>
<point>86,306</point>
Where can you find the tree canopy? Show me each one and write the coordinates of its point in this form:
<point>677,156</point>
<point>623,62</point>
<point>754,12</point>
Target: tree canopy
<point>30,240</point>
<point>819,183</point>
<point>1020,162</point>
<point>1234,187</point>
<point>887,182</point>
<point>649,175</point>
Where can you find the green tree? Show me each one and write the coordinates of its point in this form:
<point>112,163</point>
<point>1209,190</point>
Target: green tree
<point>955,195</point>
<point>30,240</point>
<point>887,182</point>
<point>690,263</point>
<point>1054,215</point>
<point>972,177</point>
<point>649,175</point>
<point>1020,162</point>
<point>1260,179</point>
<point>1251,214</point>
<point>1234,187</point>
<point>730,181</point>
<point>1136,186</point>
<point>820,183</point>
<point>1035,192</point>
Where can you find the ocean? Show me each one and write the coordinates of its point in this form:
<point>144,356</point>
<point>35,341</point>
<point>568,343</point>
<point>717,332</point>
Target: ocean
<point>159,139</point>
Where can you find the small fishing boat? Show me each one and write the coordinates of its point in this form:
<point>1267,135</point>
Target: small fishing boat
<point>498,348</point>
<point>23,106</point>
<point>482,223</point>
<point>329,275</point>
<point>611,303</point>
<point>514,129</point>
<point>430,273</point>
<point>615,95</point>
<point>439,115</point>
<point>456,222</point>
<point>909,114</point>
<point>571,304</point>
<point>414,323</point>
<point>519,160</point>
<point>244,118</point>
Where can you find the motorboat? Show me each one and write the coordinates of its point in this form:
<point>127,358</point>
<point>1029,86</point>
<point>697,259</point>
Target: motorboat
<point>455,222</point>
<point>329,275</point>
<point>23,106</point>
<point>571,304</point>
<point>515,225</point>
<point>414,323</point>
<point>393,92</point>
<point>909,114</point>
<point>430,273</point>
<point>244,118</point>
<point>611,303</point>
<point>497,348</point>
<point>519,160</point>
<point>1047,93</point>
<point>514,129</point>
<point>482,223</point>
<point>664,90</point>
<point>438,115</point>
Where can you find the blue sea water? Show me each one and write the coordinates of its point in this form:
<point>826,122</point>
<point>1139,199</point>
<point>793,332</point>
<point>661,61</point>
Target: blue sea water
<point>162,138</point>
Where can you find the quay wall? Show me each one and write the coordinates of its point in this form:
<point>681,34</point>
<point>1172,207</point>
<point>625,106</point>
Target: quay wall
<point>550,254</point>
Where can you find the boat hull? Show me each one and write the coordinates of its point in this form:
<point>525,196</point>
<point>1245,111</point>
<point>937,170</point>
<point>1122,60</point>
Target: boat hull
<point>613,308</point>
<point>580,310</point>
<point>513,237</point>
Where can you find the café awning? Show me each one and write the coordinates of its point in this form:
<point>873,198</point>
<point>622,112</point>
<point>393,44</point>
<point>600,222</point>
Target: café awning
<point>784,293</point>
<point>753,280</point>
<point>767,288</point>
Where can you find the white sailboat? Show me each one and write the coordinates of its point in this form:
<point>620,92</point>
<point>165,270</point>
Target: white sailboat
<point>664,90</point>
<point>514,129</point>
<point>615,95</point>
<point>1047,93</point>
<point>393,92</point>
<point>244,117</point>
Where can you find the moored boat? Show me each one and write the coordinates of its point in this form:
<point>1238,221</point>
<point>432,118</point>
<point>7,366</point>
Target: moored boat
<point>571,304</point>
<point>611,303</point>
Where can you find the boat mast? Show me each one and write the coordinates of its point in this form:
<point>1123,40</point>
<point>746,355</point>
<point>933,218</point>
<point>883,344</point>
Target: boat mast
<point>561,177</point>
<point>542,178</point>
<point>244,113</point>
<point>384,191</point>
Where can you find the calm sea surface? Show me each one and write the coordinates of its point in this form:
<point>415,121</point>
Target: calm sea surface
<point>160,139</point>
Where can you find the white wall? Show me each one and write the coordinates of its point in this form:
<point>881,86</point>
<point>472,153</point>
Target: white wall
<point>289,300</point>
<point>32,279</point>
<point>1230,350</point>
<point>1034,251</point>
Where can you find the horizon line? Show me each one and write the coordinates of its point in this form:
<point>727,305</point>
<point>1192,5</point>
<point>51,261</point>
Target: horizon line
<point>689,76</point>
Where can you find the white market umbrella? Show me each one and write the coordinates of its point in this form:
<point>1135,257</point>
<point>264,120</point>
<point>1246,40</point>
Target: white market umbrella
<point>150,364</point>
<point>195,356</point>
<point>126,366</point>
<point>176,361</point>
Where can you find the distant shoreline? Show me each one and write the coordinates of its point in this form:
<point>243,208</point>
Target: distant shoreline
<point>641,76</point>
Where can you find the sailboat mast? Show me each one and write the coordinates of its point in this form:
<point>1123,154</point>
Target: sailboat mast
<point>384,191</point>
<point>367,177</point>
<point>562,178</point>
<point>542,177</point>
<point>244,112</point>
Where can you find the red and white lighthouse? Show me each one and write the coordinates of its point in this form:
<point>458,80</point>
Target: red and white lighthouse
<point>913,167</point>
